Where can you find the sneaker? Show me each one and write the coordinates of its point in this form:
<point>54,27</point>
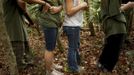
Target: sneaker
<point>80,70</point>
<point>58,67</point>
<point>101,67</point>
<point>55,72</point>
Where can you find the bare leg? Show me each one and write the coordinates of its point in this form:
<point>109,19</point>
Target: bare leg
<point>48,56</point>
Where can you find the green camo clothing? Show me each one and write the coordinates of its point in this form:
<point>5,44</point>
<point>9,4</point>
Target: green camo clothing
<point>46,19</point>
<point>14,24</point>
<point>13,21</point>
<point>112,19</point>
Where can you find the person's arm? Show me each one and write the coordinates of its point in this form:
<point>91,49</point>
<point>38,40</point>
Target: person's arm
<point>127,6</point>
<point>21,4</point>
<point>71,10</point>
<point>56,9</point>
<point>42,2</point>
<point>22,8</point>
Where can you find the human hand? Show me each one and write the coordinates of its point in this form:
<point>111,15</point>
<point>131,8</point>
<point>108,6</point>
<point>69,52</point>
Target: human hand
<point>55,9</point>
<point>46,7</point>
<point>83,5</point>
<point>30,24</point>
<point>131,4</point>
<point>127,6</point>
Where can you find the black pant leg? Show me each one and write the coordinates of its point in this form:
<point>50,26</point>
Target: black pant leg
<point>111,51</point>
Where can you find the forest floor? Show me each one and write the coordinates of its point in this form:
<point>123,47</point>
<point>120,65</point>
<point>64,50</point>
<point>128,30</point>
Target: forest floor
<point>90,49</point>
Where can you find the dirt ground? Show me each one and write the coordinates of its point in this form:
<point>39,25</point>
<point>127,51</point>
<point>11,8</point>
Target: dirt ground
<point>90,50</point>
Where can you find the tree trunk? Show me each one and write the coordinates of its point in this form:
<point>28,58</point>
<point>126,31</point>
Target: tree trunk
<point>60,45</point>
<point>7,58</point>
<point>89,23</point>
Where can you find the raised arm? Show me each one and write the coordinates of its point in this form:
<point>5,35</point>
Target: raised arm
<point>38,2</point>
<point>22,9</point>
<point>71,10</point>
<point>56,9</point>
<point>127,6</point>
<point>22,5</point>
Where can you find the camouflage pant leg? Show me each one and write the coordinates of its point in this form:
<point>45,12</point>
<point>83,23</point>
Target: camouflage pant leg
<point>18,48</point>
<point>28,56</point>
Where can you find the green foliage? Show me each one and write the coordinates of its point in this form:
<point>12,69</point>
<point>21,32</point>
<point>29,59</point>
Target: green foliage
<point>94,11</point>
<point>33,11</point>
<point>92,14</point>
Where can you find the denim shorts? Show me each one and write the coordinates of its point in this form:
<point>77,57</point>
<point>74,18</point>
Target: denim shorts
<point>50,35</point>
